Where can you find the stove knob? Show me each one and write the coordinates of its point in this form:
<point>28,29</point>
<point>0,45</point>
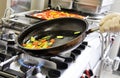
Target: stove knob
<point>52,73</point>
<point>84,76</point>
<point>81,47</point>
<point>60,65</point>
<point>73,55</point>
<point>66,59</point>
<point>76,51</point>
<point>89,72</point>
<point>85,43</point>
<point>63,59</point>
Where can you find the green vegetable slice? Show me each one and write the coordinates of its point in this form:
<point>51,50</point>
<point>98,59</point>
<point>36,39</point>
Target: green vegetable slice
<point>32,39</point>
<point>77,32</point>
<point>60,37</point>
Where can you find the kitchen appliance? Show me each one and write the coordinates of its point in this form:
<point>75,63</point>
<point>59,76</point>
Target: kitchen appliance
<point>8,7</point>
<point>68,64</point>
<point>74,63</point>
<point>71,64</point>
<point>87,6</point>
<point>22,6</point>
<point>16,65</point>
<point>57,4</point>
<point>94,6</point>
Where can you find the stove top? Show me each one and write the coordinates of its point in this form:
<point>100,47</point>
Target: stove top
<point>70,64</point>
<point>15,64</point>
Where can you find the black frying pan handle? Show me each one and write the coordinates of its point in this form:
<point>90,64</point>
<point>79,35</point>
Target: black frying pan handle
<point>92,30</point>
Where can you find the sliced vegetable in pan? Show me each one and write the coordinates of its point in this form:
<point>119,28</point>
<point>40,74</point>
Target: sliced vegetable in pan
<point>77,32</point>
<point>60,37</point>
<point>44,42</point>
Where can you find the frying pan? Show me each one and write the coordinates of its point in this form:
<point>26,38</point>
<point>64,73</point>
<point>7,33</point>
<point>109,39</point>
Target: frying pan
<point>60,26</point>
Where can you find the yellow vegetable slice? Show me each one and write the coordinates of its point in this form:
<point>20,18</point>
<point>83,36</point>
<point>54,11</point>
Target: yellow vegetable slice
<point>60,37</point>
<point>77,32</point>
<point>32,39</point>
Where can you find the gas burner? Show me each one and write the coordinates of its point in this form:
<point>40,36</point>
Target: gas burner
<point>34,66</point>
<point>28,64</point>
<point>30,68</point>
<point>36,61</point>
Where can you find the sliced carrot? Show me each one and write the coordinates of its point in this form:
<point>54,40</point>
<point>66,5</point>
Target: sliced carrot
<point>43,40</point>
<point>23,45</point>
<point>52,40</point>
<point>35,43</point>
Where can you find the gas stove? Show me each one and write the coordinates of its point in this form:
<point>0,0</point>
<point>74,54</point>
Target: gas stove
<point>72,63</point>
<point>78,62</point>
